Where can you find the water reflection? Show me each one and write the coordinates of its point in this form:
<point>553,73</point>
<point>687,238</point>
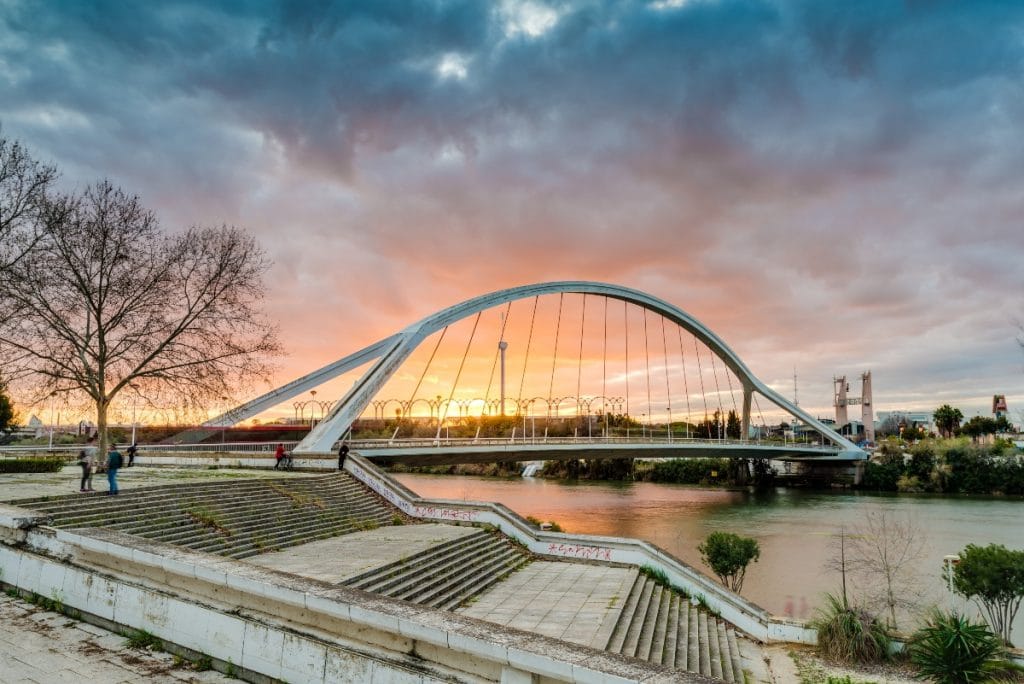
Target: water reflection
<point>795,528</point>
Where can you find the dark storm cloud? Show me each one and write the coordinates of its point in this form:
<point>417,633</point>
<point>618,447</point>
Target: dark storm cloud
<point>768,165</point>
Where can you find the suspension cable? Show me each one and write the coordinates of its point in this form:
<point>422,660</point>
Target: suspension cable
<point>686,386</point>
<point>668,389</point>
<point>763,423</point>
<point>604,370</point>
<point>419,382</point>
<point>718,389</point>
<point>647,361</point>
<point>526,358</point>
<point>462,364</point>
<point>554,354</point>
<point>497,351</point>
<point>579,364</point>
<point>704,396</point>
<point>731,395</point>
<point>625,318</point>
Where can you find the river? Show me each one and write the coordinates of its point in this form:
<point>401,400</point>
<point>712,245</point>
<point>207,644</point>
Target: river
<point>796,528</point>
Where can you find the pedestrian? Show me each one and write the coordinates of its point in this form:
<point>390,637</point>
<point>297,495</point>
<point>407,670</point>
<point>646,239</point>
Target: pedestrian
<point>278,456</point>
<point>342,453</point>
<point>114,461</point>
<point>85,460</point>
<point>132,450</point>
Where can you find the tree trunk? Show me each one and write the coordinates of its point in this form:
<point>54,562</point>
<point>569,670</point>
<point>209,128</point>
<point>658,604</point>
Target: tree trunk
<point>101,427</point>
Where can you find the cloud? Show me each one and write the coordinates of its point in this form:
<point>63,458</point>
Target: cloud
<point>842,181</point>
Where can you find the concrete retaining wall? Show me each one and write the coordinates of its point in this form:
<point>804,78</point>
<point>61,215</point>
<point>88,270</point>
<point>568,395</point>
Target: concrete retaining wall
<point>274,626</point>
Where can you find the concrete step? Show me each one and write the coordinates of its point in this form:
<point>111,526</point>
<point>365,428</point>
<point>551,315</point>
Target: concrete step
<point>125,506</point>
<point>442,583</point>
<point>500,569</point>
<point>429,567</point>
<point>400,566</point>
<point>157,498</point>
<point>463,584</point>
<point>279,519</point>
<point>252,515</point>
<point>661,626</point>
<point>446,575</point>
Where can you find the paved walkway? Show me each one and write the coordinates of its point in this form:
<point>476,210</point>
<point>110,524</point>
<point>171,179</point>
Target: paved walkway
<point>29,485</point>
<point>575,602</point>
<point>338,558</point>
<point>41,647</point>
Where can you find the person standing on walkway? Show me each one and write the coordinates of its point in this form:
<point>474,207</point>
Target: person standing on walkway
<point>86,461</point>
<point>132,450</point>
<point>278,456</point>
<point>342,453</point>
<point>114,461</point>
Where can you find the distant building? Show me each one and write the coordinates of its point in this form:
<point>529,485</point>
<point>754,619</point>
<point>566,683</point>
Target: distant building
<point>921,419</point>
<point>999,406</point>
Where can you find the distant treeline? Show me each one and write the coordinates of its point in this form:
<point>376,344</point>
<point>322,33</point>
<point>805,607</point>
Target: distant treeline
<point>947,466</point>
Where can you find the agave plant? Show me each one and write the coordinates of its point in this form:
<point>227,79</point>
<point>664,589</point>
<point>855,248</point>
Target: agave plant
<point>950,649</point>
<point>850,634</point>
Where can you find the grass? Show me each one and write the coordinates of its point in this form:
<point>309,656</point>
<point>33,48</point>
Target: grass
<point>396,519</point>
<point>142,639</point>
<point>207,518</point>
<point>848,634</point>
<point>299,500</point>
<point>204,663</point>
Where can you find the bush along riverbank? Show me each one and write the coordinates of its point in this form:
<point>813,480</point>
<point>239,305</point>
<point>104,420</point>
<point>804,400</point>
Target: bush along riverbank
<point>954,466</point>
<point>694,471</point>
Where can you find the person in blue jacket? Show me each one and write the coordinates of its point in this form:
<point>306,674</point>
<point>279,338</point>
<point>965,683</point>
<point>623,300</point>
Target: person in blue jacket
<point>114,461</point>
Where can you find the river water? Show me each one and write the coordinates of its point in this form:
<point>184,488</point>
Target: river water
<point>796,529</point>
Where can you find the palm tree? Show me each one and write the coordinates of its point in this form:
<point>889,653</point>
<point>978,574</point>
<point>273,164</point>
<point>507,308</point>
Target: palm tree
<point>947,419</point>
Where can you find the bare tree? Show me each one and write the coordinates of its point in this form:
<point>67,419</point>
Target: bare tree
<point>879,558</point>
<point>105,301</point>
<point>24,184</point>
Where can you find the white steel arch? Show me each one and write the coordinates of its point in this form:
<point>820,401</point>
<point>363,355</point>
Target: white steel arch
<point>391,352</point>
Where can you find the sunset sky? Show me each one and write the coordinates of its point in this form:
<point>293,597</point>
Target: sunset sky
<point>832,187</point>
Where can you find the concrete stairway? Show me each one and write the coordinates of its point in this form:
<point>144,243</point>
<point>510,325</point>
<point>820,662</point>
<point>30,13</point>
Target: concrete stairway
<point>661,626</point>
<point>445,575</point>
<point>236,519</point>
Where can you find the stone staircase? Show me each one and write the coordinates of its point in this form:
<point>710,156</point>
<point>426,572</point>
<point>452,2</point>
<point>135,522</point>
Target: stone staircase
<point>445,575</point>
<point>662,626</point>
<point>236,519</point>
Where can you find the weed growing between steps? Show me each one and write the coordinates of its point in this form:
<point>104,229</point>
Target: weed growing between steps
<point>207,518</point>
<point>141,639</point>
<point>299,500</point>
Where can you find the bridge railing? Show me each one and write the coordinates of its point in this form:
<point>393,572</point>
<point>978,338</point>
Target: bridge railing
<point>744,614</point>
<point>422,442</point>
<point>70,451</point>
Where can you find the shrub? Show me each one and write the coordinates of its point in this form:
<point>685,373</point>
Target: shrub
<point>950,649</point>
<point>31,465</point>
<point>993,577</point>
<point>850,634</point>
<point>690,470</point>
<point>728,555</point>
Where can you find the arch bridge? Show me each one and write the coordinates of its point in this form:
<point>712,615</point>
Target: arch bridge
<point>657,429</point>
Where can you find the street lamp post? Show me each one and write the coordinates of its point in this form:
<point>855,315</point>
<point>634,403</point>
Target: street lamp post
<point>312,408</point>
<point>670,424</point>
<point>643,426</point>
